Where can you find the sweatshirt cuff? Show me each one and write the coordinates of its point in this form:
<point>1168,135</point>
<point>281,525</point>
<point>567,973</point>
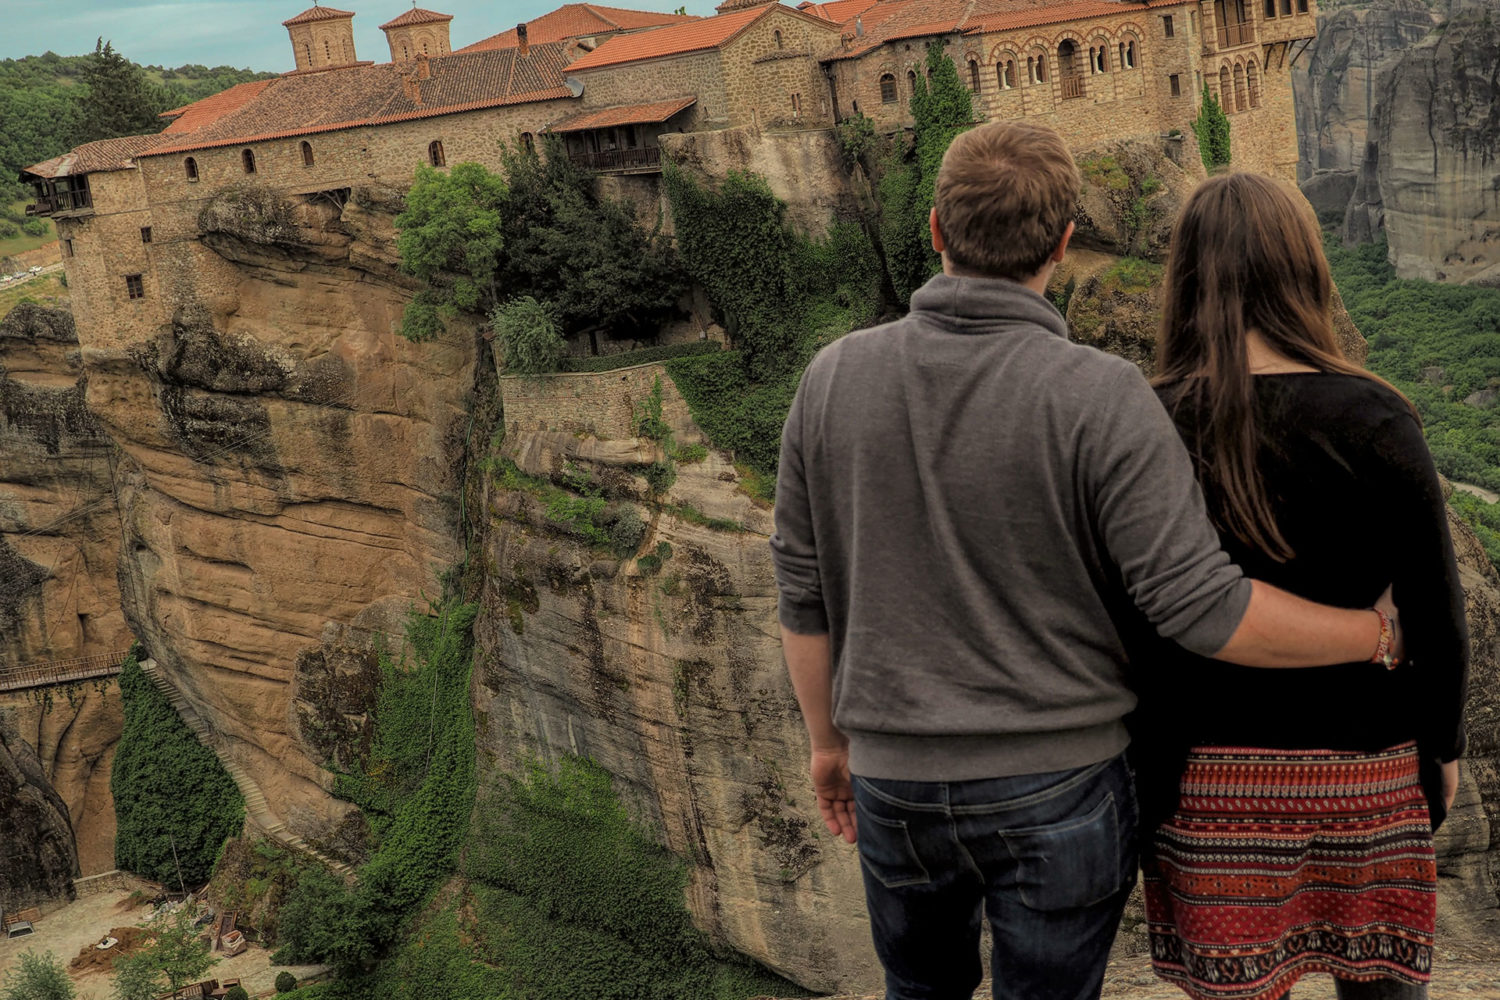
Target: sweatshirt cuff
<point>1212,630</point>
<point>803,619</point>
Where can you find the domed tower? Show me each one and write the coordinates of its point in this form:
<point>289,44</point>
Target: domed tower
<point>417,32</point>
<point>322,37</point>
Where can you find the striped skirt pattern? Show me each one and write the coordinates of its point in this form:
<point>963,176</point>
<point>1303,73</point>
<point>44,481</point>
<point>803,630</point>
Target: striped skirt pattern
<point>1282,862</point>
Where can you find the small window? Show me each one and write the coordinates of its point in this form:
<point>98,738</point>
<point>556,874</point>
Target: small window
<point>424,47</point>
<point>1130,53</point>
<point>145,234</point>
<point>134,287</point>
<point>404,53</point>
<point>247,157</point>
<point>1192,20</point>
<point>1176,83</point>
<point>307,51</point>
<point>528,141</point>
<point>1041,69</point>
<point>1122,63</point>
<point>1302,6</point>
<point>435,153</point>
<point>1286,8</point>
<point>1166,24</point>
<point>67,248</point>
<point>327,52</point>
<point>191,166</point>
<point>974,75</point>
<point>856,107</point>
<point>887,88</point>
<point>777,35</point>
<point>307,154</point>
<point>1270,9</point>
<point>796,104</point>
<point>911,80</point>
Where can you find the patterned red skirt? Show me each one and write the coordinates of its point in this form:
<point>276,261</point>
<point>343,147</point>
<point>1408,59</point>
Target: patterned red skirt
<point>1281,862</point>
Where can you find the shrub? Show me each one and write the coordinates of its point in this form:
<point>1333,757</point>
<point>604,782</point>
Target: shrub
<point>285,982</point>
<point>174,802</point>
<point>625,531</point>
<point>238,992</point>
<point>1212,129</point>
<point>34,227</point>
<point>37,977</point>
<point>529,337</point>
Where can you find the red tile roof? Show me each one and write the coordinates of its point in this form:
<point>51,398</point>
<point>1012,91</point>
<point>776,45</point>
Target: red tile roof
<point>95,157</point>
<point>837,11</point>
<point>579,20</point>
<point>416,15</point>
<point>316,13</point>
<point>893,20</point>
<point>201,114</point>
<point>678,39</point>
<point>629,114</point>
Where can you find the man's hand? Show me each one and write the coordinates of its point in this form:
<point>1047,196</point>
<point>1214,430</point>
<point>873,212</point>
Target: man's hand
<point>1450,783</point>
<point>830,777</point>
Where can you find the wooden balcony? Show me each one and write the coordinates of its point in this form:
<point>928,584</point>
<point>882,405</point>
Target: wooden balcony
<point>1072,86</point>
<point>641,160</point>
<point>56,202</point>
<point>1232,35</point>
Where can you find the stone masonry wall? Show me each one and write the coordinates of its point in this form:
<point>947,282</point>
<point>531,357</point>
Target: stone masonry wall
<point>602,405</point>
<point>775,58</point>
<point>698,73</point>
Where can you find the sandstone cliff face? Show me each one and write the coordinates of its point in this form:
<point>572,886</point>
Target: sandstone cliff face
<point>287,466</point>
<point>40,861</point>
<point>1335,85</point>
<point>669,676</point>
<point>1429,175</point>
<point>59,535</point>
<point>72,731</point>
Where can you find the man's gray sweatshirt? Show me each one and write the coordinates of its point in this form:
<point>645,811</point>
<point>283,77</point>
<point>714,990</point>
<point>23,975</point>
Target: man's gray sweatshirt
<point>961,493</point>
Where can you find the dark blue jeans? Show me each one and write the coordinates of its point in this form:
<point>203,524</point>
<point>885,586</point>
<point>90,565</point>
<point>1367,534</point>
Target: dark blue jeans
<point>1050,858</point>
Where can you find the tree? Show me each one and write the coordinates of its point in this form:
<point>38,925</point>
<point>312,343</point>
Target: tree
<point>37,977</point>
<point>451,237</point>
<point>174,803</point>
<point>119,99</point>
<point>1212,129</point>
<point>528,336</point>
<point>178,954</point>
<point>136,978</point>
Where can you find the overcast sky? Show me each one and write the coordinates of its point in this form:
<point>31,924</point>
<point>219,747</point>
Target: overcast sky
<point>244,33</point>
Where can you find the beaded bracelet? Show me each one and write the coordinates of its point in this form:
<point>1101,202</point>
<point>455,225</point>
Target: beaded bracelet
<point>1387,637</point>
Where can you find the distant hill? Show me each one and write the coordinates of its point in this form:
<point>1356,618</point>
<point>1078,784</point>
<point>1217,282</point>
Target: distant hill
<point>42,100</point>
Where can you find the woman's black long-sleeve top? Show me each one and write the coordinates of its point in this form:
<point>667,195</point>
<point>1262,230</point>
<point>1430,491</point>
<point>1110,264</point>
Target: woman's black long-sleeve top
<point>1356,496</point>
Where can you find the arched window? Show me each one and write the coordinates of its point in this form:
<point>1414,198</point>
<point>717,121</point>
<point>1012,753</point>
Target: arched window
<point>1030,70</point>
<point>435,153</point>
<point>887,88</point>
<point>1041,69</point>
<point>777,35</point>
<point>974,75</point>
<point>424,47</point>
<point>307,154</point>
<point>1005,73</point>
<point>191,166</point>
<point>1122,63</point>
<point>307,52</point>
<point>1252,82</point>
<point>1102,54</point>
<point>856,107</point>
<point>911,80</point>
<point>1226,90</point>
<point>1130,53</point>
<point>1240,101</point>
<point>404,53</point>
<point>247,157</point>
<point>327,52</point>
<point>528,142</point>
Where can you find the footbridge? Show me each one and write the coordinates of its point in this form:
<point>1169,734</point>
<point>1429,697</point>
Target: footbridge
<point>45,673</point>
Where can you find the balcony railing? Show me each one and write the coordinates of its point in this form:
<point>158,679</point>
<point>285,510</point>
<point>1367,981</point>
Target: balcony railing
<point>1241,33</point>
<point>61,201</point>
<point>1072,86</point>
<point>643,159</point>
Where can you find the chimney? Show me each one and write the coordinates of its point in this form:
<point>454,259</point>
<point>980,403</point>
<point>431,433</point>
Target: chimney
<point>522,45</point>
<point>424,67</point>
<point>859,26</point>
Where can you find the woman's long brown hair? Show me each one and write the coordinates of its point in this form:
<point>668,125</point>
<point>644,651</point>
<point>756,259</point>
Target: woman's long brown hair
<point>1246,254</point>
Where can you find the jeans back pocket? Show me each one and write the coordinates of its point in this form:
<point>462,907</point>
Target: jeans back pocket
<point>1074,862</point>
<point>886,850</point>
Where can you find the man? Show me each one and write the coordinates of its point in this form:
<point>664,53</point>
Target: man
<point>961,494</point>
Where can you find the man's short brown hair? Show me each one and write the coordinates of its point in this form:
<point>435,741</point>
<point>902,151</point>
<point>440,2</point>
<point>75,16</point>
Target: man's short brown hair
<point>1005,194</point>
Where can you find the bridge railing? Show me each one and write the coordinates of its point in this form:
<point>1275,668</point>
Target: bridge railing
<point>77,668</point>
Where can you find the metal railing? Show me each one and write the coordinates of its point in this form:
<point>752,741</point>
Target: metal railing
<point>641,158</point>
<point>78,668</point>
<point>1072,86</point>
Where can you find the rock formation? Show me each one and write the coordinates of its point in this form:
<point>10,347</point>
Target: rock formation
<point>288,462</point>
<point>1335,84</point>
<point>35,835</point>
<point>59,536</point>
<point>1429,173</point>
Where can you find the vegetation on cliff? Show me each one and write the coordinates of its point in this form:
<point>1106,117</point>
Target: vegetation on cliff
<point>1438,344</point>
<point>539,229</point>
<point>174,803</point>
<point>416,789</point>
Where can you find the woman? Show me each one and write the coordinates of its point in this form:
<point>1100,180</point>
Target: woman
<point>1300,830</point>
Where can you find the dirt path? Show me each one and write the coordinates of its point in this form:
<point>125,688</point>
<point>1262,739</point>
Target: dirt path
<point>81,923</point>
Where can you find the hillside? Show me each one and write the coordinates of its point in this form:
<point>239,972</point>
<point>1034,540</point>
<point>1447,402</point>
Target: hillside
<point>43,101</point>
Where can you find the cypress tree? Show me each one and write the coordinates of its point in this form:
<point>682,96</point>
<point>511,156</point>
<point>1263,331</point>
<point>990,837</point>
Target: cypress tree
<point>1212,129</point>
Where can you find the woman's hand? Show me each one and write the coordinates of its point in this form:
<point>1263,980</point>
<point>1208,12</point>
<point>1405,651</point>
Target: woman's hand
<point>1398,641</point>
<point>1450,782</point>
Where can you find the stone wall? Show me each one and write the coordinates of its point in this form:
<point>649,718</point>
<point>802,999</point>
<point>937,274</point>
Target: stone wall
<point>774,59</point>
<point>602,405</point>
<point>696,73</point>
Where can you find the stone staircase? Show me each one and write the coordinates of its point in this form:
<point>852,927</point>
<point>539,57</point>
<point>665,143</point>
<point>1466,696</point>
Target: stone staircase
<point>256,808</point>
